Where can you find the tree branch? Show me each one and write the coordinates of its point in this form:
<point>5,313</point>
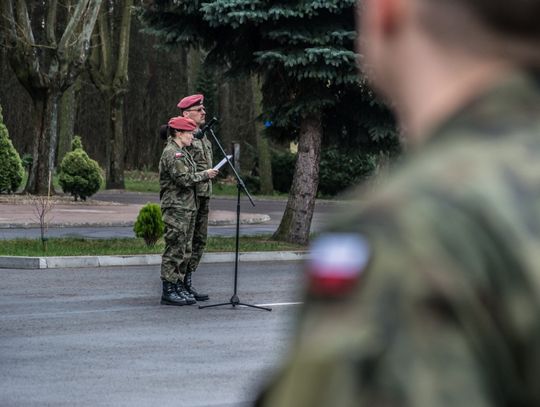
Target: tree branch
<point>24,21</point>
<point>123,48</point>
<point>8,22</point>
<point>73,49</point>
<point>82,45</point>
<point>105,44</point>
<point>50,25</point>
<point>72,25</point>
<point>87,28</point>
<point>94,67</point>
<point>23,54</point>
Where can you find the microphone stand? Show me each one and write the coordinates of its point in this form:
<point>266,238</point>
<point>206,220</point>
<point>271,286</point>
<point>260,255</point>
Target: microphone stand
<point>235,300</point>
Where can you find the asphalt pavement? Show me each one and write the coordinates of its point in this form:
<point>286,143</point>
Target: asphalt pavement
<point>98,336</point>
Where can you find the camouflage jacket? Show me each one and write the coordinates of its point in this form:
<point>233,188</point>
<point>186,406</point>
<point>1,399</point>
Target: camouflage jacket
<point>201,151</point>
<point>437,300</point>
<point>178,177</point>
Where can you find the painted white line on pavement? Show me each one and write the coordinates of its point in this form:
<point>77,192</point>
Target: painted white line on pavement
<point>279,303</point>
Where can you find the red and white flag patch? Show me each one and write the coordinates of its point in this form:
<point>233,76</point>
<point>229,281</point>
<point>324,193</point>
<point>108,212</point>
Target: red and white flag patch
<point>337,261</point>
<point>178,155</point>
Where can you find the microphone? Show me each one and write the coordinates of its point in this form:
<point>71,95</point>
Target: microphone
<point>199,134</point>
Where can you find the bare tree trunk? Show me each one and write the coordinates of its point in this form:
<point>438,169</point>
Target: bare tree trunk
<point>115,145</point>
<point>225,125</point>
<point>263,148</point>
<point>47,67</point>
<point>45,122</point>
<point>265,162</point>
<point>109,72</point>
<point>66,119</point>
<point>193,68</point>
<point>296,222</point>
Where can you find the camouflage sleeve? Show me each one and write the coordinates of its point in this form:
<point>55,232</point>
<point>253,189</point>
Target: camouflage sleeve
<point>198,153</point>
<point>182,176</point>
<point>409,334</point>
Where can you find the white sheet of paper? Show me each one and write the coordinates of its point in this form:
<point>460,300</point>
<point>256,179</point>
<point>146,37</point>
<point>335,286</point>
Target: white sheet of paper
<point>222,162</point>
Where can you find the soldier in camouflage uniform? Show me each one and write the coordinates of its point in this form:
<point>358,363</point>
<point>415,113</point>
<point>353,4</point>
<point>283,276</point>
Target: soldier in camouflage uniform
<point>428,292</point>
<point>201,150</point>
<point>178,177</point>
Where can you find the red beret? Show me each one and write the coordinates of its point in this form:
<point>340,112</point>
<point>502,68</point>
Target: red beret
<point>182,123</point>
<point>188,101</point>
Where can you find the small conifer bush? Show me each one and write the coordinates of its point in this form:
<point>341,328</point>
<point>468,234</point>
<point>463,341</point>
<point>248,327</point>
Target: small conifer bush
<point>11,169</point>
<point>149,224</point>
<point>80,176</point>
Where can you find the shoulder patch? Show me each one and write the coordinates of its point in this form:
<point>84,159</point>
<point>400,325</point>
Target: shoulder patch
<point>336,263</point>
<point>178,155</point>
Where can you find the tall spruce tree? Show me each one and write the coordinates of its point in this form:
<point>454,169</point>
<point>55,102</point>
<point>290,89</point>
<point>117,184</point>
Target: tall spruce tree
<point>304,53</point>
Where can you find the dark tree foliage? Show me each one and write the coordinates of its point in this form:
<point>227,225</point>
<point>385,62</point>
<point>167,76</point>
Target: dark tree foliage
<point>304,50</point>
<point>304,53</point>
<point>47,45</point>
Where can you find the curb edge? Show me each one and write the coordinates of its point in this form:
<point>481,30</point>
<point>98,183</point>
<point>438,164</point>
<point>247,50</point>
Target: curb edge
<point>53,262</point>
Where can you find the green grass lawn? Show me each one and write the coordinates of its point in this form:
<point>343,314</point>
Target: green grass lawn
<point>148,181</point>
<point>141,181</point>
<point>144,181</point>
<point>92,247</point>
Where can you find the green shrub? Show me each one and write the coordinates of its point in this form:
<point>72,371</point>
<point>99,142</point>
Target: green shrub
<point>253,183</point>
<point>76,143</point>
<point>11,169</point>
<point>149,224</point>
<point>79,174</point>
<point>340,170</point>
<point>283,170</point>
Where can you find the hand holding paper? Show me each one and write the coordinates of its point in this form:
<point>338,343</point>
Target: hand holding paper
<point>222,162</point>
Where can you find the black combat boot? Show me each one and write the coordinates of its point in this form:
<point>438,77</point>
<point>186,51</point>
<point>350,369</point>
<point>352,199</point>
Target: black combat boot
<point>169,295</point>
<point>184,293</point>
<point>198,296</point>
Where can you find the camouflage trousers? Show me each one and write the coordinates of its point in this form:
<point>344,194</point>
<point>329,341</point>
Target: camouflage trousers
<point>178,234</point>
<point>200,233</point>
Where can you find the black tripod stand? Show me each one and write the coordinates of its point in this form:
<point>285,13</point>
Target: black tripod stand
<point>235,300</point>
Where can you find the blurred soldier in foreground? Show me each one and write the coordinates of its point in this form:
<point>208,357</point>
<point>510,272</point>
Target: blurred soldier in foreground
<point>428,293</point>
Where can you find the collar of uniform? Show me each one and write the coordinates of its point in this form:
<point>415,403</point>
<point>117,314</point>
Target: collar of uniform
<point>494,112</point>
<point>175,145</point>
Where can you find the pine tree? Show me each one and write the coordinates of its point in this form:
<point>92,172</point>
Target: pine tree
<point>79,175</point>
<point>11,169</point>
<point>303,51</point>
<point>206,83</point>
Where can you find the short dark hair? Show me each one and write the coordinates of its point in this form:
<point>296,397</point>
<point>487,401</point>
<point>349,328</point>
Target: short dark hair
<point>517,18</point>
<point>163,131</point>
<point>507,28</point>
<point>172,131</point>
